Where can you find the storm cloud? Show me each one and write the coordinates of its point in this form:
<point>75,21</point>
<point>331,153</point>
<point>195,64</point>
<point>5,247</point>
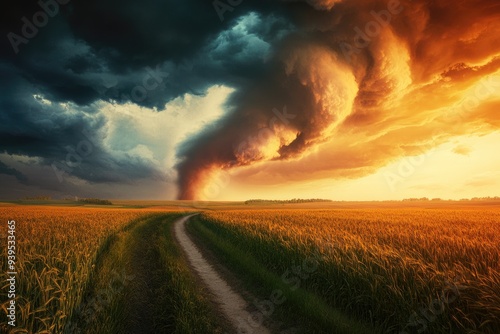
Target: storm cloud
<point>367,82</point>
<point>315,86</point>
<point>58,76</point>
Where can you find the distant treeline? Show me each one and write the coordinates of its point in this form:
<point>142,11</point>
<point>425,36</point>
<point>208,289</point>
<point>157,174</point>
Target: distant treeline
<point>496,198</point>
<point>38,198</point>
<point>295,200</point>
<point>422,199</point>
<point>95,201</point>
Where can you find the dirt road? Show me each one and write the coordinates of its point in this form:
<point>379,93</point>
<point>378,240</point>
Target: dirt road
<point>231,303</point>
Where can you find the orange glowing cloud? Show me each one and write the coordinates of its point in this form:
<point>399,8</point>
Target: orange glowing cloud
<point>365,83</point>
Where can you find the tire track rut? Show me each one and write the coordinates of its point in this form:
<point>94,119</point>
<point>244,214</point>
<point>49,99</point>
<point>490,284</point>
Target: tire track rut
<point>231,303</point>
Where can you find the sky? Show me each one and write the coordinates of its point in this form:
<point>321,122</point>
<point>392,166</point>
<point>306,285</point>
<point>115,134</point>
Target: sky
<point>240,99</point>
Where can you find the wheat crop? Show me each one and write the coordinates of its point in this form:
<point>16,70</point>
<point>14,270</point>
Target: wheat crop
<point>406,269</point>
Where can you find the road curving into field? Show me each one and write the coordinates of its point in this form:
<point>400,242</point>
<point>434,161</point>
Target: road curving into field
<point>231,303</point>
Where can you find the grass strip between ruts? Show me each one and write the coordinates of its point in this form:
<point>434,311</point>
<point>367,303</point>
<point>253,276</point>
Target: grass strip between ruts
<point>142,281</point>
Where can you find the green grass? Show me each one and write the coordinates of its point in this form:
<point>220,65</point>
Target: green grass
<point>296,307</point>
<point>142,283</point>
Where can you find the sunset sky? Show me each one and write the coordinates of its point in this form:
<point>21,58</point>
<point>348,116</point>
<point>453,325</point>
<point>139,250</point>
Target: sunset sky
<point>346,100</point>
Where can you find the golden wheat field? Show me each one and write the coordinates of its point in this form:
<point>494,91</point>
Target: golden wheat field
<point>401,269</point>
<point>406,270</point>
<point>56,250</point>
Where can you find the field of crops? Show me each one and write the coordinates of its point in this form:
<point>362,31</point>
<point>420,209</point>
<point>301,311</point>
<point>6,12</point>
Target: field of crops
<point>57,248</point>
<point>405,270</point>
<point>400,270</point>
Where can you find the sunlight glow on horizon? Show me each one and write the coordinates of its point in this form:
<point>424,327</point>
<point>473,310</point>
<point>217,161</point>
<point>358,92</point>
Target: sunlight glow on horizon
<point>462,168</point>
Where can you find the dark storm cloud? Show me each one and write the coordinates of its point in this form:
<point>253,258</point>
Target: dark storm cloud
<point>33,128</point>
<point>96,50</point>
<point>145,53</point>
<point>152,31</point>
<point>4,169</point>
<point>53,134</point>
